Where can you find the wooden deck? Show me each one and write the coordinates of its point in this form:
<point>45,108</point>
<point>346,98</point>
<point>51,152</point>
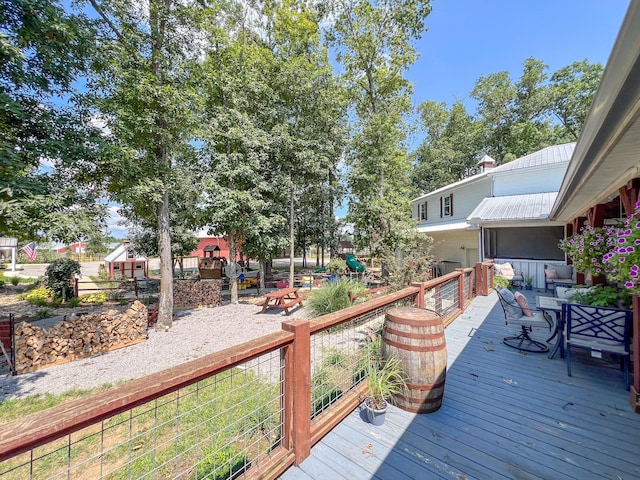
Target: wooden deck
<point>504,415</point>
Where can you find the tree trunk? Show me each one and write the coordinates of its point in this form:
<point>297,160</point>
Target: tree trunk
<point>165,300</point>
<point>233,277</point>
<point>292,240</point>
<point>157,23</point>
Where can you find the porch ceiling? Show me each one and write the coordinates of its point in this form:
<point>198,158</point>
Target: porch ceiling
<point>607,154</point>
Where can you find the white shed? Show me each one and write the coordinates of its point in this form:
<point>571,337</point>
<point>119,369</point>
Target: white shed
<point>124,262</point>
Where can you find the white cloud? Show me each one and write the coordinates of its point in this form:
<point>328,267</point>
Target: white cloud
<point>116,223</point>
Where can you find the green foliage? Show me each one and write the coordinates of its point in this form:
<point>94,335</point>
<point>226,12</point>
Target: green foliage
<point>336,266</point>
<point>38,296</point>
<point>73,302</point>
<point>42,313</point>
<point>603,296</point>
<point>501,282</point>
<point>102,272</point>
<point>369,38</point>
<point>43,50</point>
<point>333,297</point>
<point>414,262</point>
<point>15,281</point>
<point>384,377</point>
<point>95,298</point>
<point>59,275</point>
<point>528,279</point>
<point>222,464</point>
<point>588,248</point>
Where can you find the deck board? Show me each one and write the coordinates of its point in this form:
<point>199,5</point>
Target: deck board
<point>505,415</point>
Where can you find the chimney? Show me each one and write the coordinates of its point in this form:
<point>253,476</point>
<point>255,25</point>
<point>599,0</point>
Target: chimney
<point>486,163</point>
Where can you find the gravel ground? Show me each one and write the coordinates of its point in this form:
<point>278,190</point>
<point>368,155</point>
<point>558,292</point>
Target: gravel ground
<point>194,333</point>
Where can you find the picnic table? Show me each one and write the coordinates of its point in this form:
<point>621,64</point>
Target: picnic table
<point>285,298</point>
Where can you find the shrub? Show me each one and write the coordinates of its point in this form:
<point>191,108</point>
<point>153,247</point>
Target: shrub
<point>501,282</point>
<point>336,266</point>
<point>38,296</point>
<point>333,297</point>
<point>43,313</point>
<point>59,275</point>
<point>96,298</point>
<point>15,281</point>
<point>226,463</point>
<point>102,272</point>
<point>73,302</point>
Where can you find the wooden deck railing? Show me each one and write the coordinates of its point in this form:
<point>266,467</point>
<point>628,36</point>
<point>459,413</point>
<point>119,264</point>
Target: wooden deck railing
<point>300,349</point>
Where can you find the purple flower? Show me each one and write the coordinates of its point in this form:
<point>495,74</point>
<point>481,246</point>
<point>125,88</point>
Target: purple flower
<point>628,284</point>
<point>622,259</point>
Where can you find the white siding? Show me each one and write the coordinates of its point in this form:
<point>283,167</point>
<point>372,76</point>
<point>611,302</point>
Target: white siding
<point>465,200</point>
<point>527,180</point>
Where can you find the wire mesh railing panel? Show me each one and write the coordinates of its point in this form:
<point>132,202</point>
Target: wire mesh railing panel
<point>217,428</point>
<point>338,354</point>
<point>443,299</point>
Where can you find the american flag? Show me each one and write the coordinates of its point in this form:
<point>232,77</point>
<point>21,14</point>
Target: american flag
<point>30,250</point>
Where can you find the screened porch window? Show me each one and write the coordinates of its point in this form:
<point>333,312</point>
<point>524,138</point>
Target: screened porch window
<point>531,243</point>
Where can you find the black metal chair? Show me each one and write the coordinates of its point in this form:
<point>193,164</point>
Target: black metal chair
<point>514,315</point>
<point>599,330</point>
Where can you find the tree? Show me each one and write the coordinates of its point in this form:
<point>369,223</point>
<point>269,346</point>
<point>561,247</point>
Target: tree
<point>374,45</point>
<point>572,90</point>
<point>143,88</point>
<point>449,151</point>
<point>46,145</point>
<point>518,117</point>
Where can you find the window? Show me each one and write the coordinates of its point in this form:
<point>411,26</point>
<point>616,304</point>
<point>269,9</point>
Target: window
<point>423,211</point>
<point>532,243</point>
<point>446,206</point>
<point>131,253</point>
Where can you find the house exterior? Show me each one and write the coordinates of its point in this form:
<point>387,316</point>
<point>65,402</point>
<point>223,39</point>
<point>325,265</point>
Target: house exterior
<point>76,248</point>
<point>602,182</point>
<point>500,213</point>
<point>124,262</point>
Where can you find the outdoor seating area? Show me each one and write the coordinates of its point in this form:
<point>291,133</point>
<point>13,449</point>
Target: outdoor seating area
<point>506,270</point>
<point>504,415</point>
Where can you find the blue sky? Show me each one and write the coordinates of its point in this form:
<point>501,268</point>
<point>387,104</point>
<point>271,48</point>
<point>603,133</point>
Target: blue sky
<point>469,38</point>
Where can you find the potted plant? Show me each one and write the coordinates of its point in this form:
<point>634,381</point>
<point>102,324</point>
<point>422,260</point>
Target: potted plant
<point>384,378</point>
<point>528,280</point>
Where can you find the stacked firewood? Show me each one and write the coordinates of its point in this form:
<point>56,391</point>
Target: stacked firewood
<point>198,294</point>
<point>78,336</point>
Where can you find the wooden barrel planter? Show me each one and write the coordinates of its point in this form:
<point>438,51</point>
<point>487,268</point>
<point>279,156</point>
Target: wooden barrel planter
<point>416,337</point>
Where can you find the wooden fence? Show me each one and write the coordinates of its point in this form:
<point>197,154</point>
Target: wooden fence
<point>303,420</point>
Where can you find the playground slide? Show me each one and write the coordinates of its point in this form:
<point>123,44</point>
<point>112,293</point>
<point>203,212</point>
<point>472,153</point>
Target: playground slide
<point>353,264</point>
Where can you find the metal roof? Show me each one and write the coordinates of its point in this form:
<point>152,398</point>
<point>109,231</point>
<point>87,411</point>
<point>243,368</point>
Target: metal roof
<point>546,156</point>
<point>7,242</point>
<point>511,208</point>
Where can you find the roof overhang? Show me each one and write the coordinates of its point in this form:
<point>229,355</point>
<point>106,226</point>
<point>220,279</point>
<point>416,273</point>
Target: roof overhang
<point>445,227</point>
<point>526,208</point>
<point>607,154</point>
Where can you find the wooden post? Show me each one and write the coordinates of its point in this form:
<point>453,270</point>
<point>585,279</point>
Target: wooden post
<point>461,293</point>
<point>634,390</point>
<point>298,389</point>
<point>481,279</point>
<point>419,302</point>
